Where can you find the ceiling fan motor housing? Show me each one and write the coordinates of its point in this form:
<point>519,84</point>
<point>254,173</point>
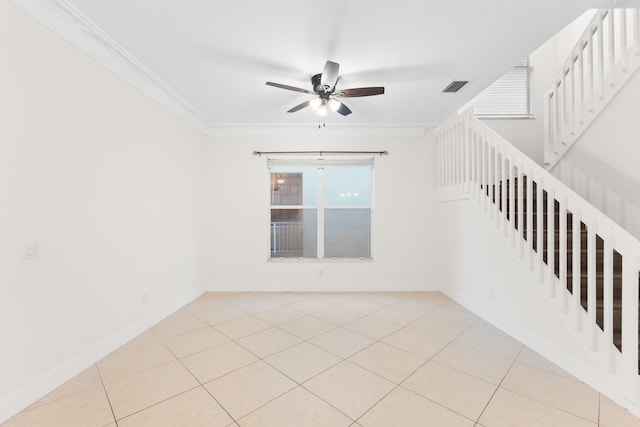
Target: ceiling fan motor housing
<point>318,88</point>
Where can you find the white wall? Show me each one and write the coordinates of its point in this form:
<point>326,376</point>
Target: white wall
<point>603,165</point>
<point>528,134</point>
<point>110,185</point>
<point>403,241</point>
<point>482,272</point>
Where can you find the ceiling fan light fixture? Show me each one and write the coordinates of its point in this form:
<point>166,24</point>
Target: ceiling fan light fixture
<point>334,104</point>
<point>315,103</point>
<point>322,110</point>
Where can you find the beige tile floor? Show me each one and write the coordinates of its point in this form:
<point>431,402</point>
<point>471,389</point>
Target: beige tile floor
<point>323,359</point>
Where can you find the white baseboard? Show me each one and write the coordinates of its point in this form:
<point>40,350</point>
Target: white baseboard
<point>323,286</point>
<point>583,371</point>
<point>30,393</point>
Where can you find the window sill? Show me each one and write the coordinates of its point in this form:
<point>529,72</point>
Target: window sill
<point>319,260</point>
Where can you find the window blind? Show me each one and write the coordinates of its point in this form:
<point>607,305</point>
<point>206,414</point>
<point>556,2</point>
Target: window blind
<point>509,96</point>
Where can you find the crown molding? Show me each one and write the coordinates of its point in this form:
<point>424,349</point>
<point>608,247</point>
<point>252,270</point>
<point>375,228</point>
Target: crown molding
<point>65,20</point>
<point>314,129</point>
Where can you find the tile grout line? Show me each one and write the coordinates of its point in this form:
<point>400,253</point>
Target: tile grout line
<point>599,407</point>
<point>319,373</point>
<point>199,385</point>
<point>106,393</point>
<point>547,404</point>
<point>398,385</point>
<point>499,384</point>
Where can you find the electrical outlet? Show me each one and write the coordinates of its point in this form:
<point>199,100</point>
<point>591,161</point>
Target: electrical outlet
<point>492,294</point>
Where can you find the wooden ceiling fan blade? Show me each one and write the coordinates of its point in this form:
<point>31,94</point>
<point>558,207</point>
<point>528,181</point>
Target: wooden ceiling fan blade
<point>330,75</point>
<point>343,109</point>
<point>287,87</point>
<point>299,107</point>
<point>360,91</point>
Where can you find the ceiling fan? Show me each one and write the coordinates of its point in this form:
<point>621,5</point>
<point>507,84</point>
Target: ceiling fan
<point>324,86</point>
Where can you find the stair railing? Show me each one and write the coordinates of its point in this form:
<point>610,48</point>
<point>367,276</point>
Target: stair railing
<point>588,265</point>
<point>606,55</point>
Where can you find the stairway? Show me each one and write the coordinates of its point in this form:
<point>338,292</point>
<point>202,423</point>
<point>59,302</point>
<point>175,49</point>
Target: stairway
<point>588,264</point>
<point>495,194</point>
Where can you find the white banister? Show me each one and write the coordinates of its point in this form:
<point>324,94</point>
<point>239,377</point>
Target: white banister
<point>478,164</point>
<point>605,57</point>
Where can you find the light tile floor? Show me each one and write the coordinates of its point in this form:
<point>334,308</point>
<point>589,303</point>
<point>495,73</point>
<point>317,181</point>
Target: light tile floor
<point>323,359</point>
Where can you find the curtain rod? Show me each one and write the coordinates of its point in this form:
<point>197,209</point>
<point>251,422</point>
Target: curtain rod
<point>260,153</point>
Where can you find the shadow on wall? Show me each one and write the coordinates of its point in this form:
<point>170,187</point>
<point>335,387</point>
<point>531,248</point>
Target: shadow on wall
<point>614,193</point>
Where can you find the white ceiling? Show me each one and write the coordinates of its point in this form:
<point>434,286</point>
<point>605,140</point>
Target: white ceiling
<point>208,61</point>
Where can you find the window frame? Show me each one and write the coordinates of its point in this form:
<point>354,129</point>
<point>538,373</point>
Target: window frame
<point>320,164</point>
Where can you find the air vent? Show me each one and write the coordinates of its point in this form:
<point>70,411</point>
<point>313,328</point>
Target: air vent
<point>455,86</point>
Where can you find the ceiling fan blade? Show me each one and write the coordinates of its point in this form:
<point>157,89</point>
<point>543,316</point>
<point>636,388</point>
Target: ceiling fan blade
<point>360,91</point>
<point>330,75</point>
<point>344,110</point>
<point>295,89</point>
<point>299,107</point>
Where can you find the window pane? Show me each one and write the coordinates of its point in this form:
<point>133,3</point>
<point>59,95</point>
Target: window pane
<point>347,233</point>
<point>294,186</point>
<point>347,186</point>
<point>293,233</point>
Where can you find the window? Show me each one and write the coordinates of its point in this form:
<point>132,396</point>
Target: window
<point>508,97</point>
<point>321,208</point>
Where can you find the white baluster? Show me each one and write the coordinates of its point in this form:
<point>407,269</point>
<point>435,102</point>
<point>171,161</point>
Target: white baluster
<point>495,212</point>
<point>520,209</point>
<point>530,237</point>
<point>485,172</point>
<point>591,283</point>
<point>551,237</point>
<point>591,65</point>
<point>562,259</point>
<point>503,195</point>
<point>540,228</point>
<point>548,126</point>
<point>512,202</point>
<point>630,268</point>
<point>581,83</point>
<point>572,103</point>
<point>577,267</point>
<point>600,63</point>
<point>468,177</point>
<point>612,49</point>
<point>636,29</point>
<point>624,52</point>
<point>608,300</point>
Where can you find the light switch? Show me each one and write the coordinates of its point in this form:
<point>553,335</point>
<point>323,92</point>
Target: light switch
<point>31,250</point>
